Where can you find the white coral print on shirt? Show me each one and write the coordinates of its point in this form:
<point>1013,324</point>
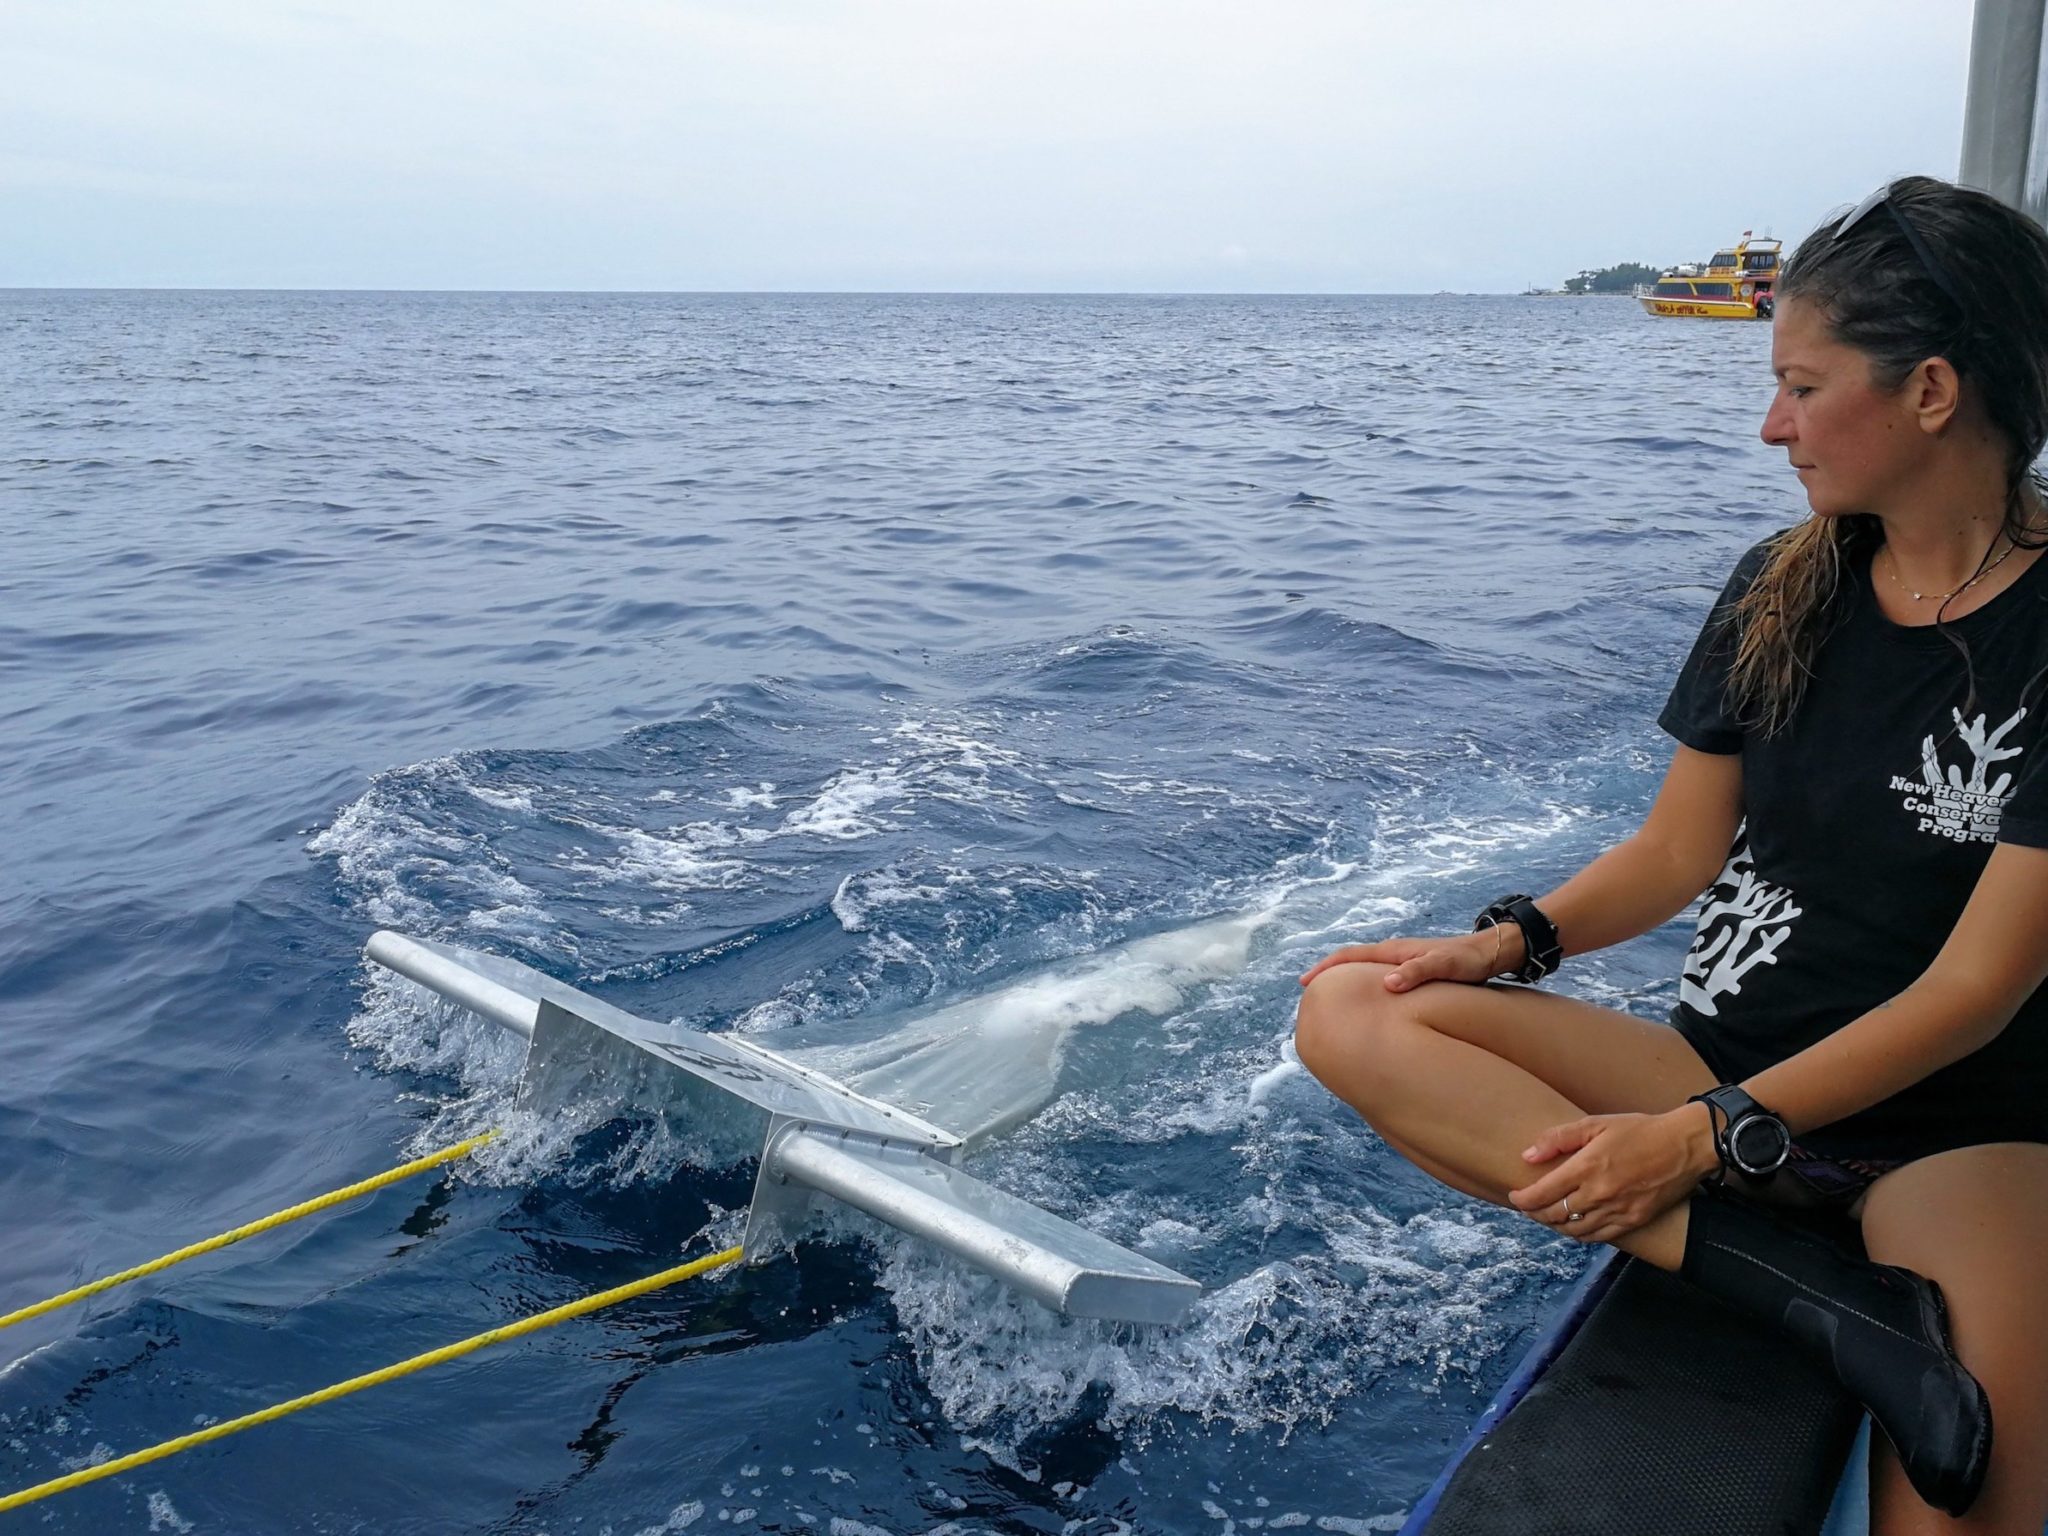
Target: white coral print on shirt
<point>1948,802</point>
<point>1743,921</point>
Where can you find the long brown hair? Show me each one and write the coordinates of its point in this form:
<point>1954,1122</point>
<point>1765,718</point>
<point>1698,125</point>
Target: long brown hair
<point>1986,311</point>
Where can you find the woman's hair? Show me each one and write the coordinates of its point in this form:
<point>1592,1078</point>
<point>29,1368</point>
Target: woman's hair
<point>1982,304</point>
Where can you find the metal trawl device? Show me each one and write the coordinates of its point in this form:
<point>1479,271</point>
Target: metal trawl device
<point>818,1136</point>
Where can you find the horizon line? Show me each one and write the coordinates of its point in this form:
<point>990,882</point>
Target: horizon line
<point>1010,293</point>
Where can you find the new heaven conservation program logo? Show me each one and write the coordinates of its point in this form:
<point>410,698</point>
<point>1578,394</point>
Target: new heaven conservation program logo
<point>1742,922</point>
<point>1962,807</point>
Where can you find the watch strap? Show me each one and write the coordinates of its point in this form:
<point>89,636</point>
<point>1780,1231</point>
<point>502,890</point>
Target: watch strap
<point>1732,1101</point>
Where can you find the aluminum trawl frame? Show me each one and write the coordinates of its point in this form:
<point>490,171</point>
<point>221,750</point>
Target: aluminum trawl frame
<point>822,1138</point>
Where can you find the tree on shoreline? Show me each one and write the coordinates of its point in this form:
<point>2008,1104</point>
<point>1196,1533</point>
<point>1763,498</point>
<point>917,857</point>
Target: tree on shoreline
<point>1620,278</point>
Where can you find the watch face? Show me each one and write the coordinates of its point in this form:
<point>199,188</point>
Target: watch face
<point>1758,1143</point>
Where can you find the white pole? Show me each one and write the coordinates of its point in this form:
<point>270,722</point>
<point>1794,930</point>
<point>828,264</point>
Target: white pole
<point>1999,117</point>
<point>2034,189</point>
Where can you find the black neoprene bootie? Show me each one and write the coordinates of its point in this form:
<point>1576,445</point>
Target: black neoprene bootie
<point>1882,1331</point>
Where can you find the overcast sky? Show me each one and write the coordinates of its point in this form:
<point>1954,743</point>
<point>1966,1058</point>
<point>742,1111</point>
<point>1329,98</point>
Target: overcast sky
<point>1292,145</point>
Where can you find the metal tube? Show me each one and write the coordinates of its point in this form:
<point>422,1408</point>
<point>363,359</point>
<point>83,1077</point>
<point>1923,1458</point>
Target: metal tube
<point>454,981</point>
<point>2034,188</point>
<point>1056,1263</point>
<point>1998,113</point>
<point>817,1162</point>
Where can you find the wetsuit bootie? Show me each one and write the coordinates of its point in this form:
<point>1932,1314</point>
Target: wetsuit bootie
<point>1881,1330</point>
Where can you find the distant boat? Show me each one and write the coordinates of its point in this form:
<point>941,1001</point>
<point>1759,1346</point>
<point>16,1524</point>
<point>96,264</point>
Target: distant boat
<point>1735,285</point>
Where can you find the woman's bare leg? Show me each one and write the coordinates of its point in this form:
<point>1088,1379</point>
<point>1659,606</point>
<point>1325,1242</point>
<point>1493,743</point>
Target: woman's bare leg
<point>1459,1079</point>
<point>1975,1221</point>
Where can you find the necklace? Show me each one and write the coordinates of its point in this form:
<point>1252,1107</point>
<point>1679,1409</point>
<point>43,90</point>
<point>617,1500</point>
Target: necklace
<point>1921,597</point>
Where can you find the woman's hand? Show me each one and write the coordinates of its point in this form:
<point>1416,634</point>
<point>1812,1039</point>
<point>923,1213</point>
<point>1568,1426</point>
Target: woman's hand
<point>1618,1171</point>
<point>1468,957</point>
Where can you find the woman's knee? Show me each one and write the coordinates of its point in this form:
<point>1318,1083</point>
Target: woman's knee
<point>1342,1023</point>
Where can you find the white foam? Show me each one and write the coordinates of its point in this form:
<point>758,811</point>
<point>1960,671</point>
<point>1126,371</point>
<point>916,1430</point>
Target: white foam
<point>840,809</point>
<point>20,1360</point>
<point>957,743</point>
<point>1262,1086</point>
<point>403,838</point>
<point>1369,912</point>
<point>520,918</point>
<point>386,839</point>
<point>682,859</point>
<point>1440,843</point>
<point>410,1029</point>
<point>503,799</point>
<point>1279,1346</point>
<point>1165,1236</point>
<point>681,1518</point>
<point>860,895</point>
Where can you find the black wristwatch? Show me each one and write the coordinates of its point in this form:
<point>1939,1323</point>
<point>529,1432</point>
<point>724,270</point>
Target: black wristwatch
<point>1543,954</point>
<point>1748,1137</point>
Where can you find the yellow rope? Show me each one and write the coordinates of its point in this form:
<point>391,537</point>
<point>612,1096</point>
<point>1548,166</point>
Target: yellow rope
<point>293,1213</point>
<point>525,1325</point>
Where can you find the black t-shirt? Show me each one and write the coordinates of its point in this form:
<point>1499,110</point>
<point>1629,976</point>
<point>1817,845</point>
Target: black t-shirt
<point>1866,822</point>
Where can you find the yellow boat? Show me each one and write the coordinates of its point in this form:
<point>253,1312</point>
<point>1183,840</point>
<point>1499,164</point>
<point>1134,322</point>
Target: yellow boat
<point>1735,285</point>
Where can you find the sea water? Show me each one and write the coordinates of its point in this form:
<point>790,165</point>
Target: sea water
<point>812,668</point>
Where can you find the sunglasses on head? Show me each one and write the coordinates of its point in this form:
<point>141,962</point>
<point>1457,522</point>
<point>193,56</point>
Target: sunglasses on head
<point>1882,197</point>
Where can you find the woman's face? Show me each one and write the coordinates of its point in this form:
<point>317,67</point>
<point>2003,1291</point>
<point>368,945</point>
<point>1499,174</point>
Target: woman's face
<point>1853,444</point>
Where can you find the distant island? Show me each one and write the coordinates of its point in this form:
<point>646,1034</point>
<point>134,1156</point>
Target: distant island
<point>1620,278</point>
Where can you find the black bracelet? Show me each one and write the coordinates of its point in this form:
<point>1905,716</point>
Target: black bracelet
<point>1541,950</point>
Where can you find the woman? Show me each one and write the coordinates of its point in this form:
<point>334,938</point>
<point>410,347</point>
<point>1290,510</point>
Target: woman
<point>1861,779</point>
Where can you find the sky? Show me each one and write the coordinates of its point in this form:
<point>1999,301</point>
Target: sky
<point>1006,145</point>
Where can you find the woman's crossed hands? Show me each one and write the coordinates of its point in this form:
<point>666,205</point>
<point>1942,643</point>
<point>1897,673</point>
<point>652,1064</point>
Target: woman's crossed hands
<point>1607,1175</point>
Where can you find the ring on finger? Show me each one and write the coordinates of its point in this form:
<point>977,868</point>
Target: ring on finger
<point>1569,1213</point>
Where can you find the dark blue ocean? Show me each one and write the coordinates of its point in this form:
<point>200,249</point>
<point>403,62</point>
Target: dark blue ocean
<point>770,663</point>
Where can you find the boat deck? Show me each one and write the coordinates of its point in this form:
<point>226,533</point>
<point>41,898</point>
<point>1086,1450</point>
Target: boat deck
<point>1649,1407</point>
